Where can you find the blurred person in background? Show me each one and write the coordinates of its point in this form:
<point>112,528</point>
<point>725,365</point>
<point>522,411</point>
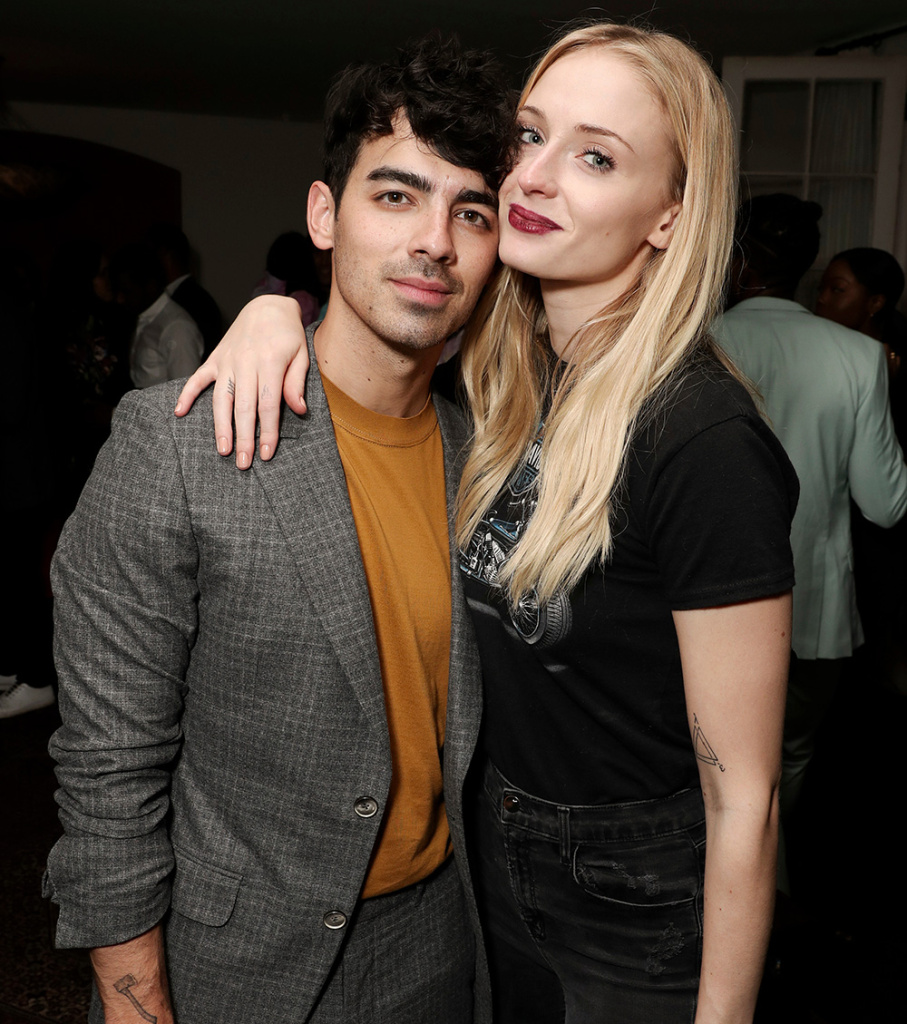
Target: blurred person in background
<point>825,392</point>
<point>167,342</point>
<point>291,270</point>
<point>173,250</point>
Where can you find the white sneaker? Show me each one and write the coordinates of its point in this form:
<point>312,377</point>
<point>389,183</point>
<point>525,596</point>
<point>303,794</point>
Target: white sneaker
<point>21,697</point>
<point>7,683</point>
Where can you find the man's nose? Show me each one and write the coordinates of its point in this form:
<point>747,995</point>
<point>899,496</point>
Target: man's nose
<point>433,236</point>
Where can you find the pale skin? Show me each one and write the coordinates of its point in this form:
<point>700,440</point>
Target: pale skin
<point>748,643</point>
<point>599,167</point>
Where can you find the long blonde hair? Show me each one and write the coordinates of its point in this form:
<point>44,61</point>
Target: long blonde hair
<point>621,357</point>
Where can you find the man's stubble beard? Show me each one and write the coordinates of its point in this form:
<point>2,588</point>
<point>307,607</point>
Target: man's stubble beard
<point>404,326</point>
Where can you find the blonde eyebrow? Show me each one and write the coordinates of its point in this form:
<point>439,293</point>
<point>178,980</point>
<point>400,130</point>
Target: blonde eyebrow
<point>596,129</point>
<point>582,129</point>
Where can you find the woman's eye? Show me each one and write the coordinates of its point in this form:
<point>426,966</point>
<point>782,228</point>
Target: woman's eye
<point>530,136</point>
<point>600,161</point>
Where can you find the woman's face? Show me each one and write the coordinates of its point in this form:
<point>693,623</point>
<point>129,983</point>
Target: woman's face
<point>843,299</point>
<point>589,196</point>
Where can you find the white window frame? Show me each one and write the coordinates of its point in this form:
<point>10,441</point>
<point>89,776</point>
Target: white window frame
<point>890,71</point>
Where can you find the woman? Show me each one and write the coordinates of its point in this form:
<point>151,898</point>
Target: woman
<point>860,290</point>
<point>623,524</point>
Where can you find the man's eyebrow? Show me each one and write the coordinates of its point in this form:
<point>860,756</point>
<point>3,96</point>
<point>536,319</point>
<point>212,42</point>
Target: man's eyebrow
<point>398,176</point>
<point>474,198</point>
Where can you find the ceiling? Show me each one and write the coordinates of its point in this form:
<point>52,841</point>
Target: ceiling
<point>273,58</point>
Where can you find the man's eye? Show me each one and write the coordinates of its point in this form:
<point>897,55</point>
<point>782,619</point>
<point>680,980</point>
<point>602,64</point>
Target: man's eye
<point>473,217</point>
<point>394,198</point>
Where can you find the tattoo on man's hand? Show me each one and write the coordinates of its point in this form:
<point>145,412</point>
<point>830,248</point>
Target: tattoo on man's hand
<point>123,986</point>
<point>703,748</point>
<point>231,387</point>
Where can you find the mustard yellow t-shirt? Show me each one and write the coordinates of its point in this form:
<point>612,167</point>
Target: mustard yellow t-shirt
<point>395,476</point>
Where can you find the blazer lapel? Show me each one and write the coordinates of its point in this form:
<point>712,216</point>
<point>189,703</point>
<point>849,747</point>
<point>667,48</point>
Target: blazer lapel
<point>464,695</point>
<point>307,489</point>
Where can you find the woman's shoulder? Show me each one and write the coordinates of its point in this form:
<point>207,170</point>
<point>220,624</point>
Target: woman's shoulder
<point>698,396</point>
<point>705,431</point>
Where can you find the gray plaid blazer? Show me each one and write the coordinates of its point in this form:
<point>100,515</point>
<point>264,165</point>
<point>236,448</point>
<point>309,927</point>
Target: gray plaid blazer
<point>223,708</point>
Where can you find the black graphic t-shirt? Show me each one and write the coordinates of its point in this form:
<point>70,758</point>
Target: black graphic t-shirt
<point>584,700</point>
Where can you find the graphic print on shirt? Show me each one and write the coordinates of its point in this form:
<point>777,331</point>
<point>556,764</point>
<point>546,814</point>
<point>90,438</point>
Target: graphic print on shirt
<point>491,543</point>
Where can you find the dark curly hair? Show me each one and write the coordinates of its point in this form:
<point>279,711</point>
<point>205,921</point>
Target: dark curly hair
<point>456,101</point>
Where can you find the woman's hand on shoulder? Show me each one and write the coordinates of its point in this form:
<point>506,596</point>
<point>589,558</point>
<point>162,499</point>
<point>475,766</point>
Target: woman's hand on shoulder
<point>261,357</point>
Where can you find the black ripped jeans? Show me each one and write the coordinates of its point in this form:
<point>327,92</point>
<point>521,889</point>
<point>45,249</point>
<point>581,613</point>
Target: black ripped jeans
<point>592,915</point>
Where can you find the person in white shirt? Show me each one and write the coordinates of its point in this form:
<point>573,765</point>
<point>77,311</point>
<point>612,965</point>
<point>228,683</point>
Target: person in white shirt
<point>167,342</point>
<point>173,250</point>
<point>825,393</point>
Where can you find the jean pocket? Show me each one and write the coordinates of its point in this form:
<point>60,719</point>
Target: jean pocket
<point>660,871</point>
<point>641,905</point>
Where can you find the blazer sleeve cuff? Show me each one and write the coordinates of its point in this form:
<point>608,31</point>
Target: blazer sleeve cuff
<point>108,891</point>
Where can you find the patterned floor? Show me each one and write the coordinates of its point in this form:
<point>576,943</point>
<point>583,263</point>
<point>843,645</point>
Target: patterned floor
<point>37,982</point>
<point>842,964</point>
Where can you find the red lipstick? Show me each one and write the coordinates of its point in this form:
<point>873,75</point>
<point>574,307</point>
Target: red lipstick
<point>531,223</point>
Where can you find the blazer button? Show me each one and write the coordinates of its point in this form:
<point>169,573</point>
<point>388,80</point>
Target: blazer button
<point>335,919</point>
<point>366,807</point>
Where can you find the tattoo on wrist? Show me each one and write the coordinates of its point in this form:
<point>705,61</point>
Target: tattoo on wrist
<point>231,387</point>
<point>703,748</point>
<point>123,986</point>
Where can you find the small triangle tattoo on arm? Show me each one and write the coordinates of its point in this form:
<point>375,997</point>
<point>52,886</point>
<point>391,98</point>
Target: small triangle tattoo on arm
<point>703,748</point>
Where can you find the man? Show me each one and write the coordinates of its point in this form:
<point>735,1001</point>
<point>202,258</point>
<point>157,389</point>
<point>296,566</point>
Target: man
<point>255,666</point>
<point>173,250</point>
<point>826,396</point>
<point>167,342</point>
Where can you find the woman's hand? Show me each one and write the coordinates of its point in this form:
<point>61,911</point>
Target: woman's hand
<point>262,355</point>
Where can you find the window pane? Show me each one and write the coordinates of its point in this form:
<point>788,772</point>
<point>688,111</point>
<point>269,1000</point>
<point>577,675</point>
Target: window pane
<point>766,184</point>
<point>846,127</point>
<point>775,116</point>
<point>847,210</point>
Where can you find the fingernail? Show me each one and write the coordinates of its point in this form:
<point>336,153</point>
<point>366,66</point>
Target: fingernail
<point>179,406</point>
<point>242,460</point>
<point>222,446</point>
<point>266,451</point>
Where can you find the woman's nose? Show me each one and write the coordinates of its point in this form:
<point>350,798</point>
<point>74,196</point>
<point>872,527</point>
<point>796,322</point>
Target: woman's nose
<point>535,172</point>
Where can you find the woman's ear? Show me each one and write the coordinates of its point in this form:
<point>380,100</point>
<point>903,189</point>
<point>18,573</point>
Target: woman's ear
<point>876,302</point>
<point>320,216</point>
<point>661,236</point>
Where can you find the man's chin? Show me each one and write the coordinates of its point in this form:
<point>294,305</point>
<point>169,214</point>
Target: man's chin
<point>424,330</point>
<point>417,341</point>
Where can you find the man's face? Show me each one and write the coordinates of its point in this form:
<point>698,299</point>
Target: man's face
<point>415,239</point>
<point>135,295</point>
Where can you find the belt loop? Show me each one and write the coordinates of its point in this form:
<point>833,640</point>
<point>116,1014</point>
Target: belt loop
<point>563,823</point>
